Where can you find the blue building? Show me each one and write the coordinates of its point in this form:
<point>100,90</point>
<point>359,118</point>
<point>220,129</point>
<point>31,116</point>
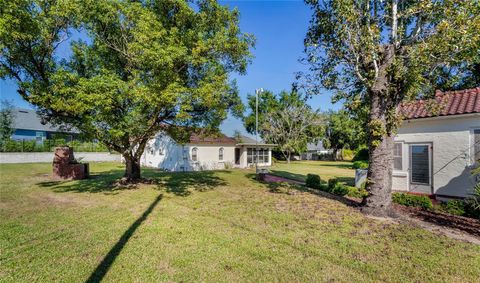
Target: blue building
<point>29,126</point>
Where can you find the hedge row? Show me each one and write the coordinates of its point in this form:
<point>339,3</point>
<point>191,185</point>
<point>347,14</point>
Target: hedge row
<point>333,186</point>
<point>49,146</point>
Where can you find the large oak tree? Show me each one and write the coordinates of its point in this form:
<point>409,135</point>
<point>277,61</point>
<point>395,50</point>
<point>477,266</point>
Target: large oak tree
<point>376,54</point>
<point>140,67</point>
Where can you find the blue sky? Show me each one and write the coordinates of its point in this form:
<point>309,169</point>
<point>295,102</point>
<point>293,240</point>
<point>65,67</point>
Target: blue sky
<point>279,28</point>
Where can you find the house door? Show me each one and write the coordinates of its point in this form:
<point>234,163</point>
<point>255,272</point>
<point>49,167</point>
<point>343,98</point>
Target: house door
<point>421,168</point>
<point>237,156</point>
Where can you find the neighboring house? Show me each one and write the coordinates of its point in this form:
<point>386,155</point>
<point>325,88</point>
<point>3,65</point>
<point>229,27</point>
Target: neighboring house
<point>315,151</point>
<point>434,153</point>
<point>205,153</point>
<point>28,125</point>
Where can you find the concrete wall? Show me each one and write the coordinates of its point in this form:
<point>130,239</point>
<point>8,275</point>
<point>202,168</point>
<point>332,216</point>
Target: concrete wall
<point>34,157</point>
<point>452,152</point>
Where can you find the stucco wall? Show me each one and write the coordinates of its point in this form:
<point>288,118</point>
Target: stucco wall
<point>34,157</point>
<point>452,152</point>
<point>163,152</point>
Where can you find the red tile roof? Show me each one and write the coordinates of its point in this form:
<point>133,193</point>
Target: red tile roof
<point>446,103</point>
<point>206,139</point>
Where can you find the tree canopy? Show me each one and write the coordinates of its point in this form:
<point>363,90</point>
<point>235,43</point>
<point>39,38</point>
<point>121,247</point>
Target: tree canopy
<point>342,131</point>
<point>285,120</point>
<point>376,54</point>
<point>140,67</point>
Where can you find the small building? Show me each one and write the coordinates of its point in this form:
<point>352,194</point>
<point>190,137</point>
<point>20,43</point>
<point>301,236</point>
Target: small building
<point>438,145</point>
<point>316,151</point>
<point>205,153</point>
<point>28,125</point>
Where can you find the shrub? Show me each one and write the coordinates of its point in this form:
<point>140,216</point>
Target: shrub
<point>412,200</point>
<point>331,183</point>
<point>472,203</point>
<point>355,192</point>
<point>313,181</point>
<point>339,189</point>
<point>361,164</point>
<point>348,154</point>
<point>361,155</point>
<point>455,207</point>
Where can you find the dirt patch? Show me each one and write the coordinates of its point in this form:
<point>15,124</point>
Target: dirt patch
<point>62,200</point>
<point>277,179</point>
<point>458,227</point>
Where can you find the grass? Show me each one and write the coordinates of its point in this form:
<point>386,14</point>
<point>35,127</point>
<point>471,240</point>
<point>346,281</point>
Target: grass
<point>207,226</point>
<point>298,170</point>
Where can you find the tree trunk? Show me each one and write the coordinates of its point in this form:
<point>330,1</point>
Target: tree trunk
<point>288,157</point>
<point>132,168</point>
<point>379,179</point>
<point>380,145</point>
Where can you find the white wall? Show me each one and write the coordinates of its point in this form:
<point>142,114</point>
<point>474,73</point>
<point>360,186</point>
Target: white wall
<point>177,157</point>
<point>34,157</point>
<point>452,153</point>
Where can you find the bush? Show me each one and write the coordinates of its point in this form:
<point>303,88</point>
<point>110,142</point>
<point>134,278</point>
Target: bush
<point>455,207</point>
<point>348,154</point>
<point>472,203</point>
<point>412,200</point>
<point>355,192</point>
<point>313,181</point>
<point>339,189</point>
<point>361,155</point>
<point>331,183</point>
<point>360,164</point>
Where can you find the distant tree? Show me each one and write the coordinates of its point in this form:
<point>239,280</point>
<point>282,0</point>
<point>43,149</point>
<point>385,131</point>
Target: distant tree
<point>377,54</point>
<point>147,66</point>
<point>237,135</point>
<point>6,121</point>
<point>286,120</point>
<point>267,101</point>
<point>342,131</point>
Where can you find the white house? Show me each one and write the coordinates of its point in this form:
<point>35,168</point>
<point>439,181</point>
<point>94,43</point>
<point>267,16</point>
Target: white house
<point>205,153</point>
<point>434,154</point>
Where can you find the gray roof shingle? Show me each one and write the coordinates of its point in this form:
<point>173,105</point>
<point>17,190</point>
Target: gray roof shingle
<point>27,119</point>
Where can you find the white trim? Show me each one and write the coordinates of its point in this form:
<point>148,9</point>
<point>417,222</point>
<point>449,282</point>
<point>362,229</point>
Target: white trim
<point>471,146</point>
<point>441,117</point>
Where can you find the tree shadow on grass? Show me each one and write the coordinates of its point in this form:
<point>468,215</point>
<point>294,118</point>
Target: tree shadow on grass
<point>97,183</point>
<point>183,183</point>
<point>178,183</point>
<point>342,166</point>
<point>288,188</point>
<point>102,269</point>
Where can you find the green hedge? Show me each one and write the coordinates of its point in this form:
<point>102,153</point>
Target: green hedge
<point>412,200</point>
<point>313,181</point>
<point>361,164</point>
<point>49,146</point>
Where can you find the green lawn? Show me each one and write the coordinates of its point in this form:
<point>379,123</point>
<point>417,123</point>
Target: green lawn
<point>298,170</point>
<point>208,226</point>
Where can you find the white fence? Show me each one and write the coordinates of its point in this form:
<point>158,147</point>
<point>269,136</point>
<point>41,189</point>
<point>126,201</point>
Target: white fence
<point>34,157</point>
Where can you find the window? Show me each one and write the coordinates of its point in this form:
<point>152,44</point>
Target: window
<point>194,154</point>
<point>160,151</point>
<point>476,145</point>
<point>397,156</point>
<point>263,155</point>
<point>220,154</point>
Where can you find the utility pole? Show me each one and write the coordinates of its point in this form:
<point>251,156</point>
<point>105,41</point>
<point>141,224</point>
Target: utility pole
<point>257,92</point>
